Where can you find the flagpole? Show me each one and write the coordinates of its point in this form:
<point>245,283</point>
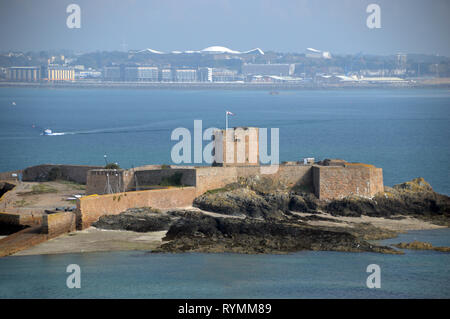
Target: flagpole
<point>226,121</point>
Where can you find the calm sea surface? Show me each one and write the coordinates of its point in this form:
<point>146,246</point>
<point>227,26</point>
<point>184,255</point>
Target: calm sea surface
<point>406,132</point>
<point>417,274</point>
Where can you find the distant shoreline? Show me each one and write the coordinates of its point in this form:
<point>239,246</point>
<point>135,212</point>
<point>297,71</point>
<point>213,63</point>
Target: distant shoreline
<point>224,86</point>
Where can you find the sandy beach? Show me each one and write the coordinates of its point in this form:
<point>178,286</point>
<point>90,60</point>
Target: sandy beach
<point>93,239</point>
<point>404,224</point>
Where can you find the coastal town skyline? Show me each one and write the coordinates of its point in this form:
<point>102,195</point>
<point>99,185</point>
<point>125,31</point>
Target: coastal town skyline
<point>222,65</point>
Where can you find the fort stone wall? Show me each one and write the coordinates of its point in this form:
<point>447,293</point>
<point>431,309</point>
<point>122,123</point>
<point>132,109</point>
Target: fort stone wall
<point>91,208</point>
<point>58,223</point>
<point>10,176</point>
<point>336,182</point>
<point>214,177</point>
<point>156,176</point>
<point>97,180</point>
<point>43,173</point>
<point>293,176</point>
<point>21,218</point>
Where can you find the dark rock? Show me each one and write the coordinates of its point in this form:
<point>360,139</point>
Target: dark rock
<point>212,234</point>
<point>5,187</point>
<point>243,202</point>
<point>418,245</point>
<point>270,224</point>
<point>136,219</point>
<point>415,198</point>
<point>303,203</point>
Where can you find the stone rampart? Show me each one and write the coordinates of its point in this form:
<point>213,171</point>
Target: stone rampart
<point>58,223</point>
<point>91,208</point>
<point>46,172</point>
<point>336,182</point>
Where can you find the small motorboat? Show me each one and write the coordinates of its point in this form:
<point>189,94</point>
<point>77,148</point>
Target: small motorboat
<point>13,103</point>
<point>47,132</point>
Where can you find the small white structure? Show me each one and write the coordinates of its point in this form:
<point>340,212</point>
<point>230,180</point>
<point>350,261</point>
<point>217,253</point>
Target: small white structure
<point>308,160</point>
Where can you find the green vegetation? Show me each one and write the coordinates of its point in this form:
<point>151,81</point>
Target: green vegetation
<point>165,166</point>
<point>74,185</point>
<point>112,166</point>
<point>43,189</point>
<point>173,180</point>
<point>226,188</point>
<point>217,190</point>
<point>303,188</point>
<point>39,189</point>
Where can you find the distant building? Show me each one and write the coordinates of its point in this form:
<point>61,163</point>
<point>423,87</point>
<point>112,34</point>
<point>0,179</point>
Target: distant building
<point>268,69</point>
<point>60,73</point>
<point>141,74</point>
<point>334,79</point>
<point>89,74</point>
<point>166,75</point>
<point>223,75</point>
<point>186,75</point>
<point>24,73</point>
<point>401,60</point>
<point>205,74</point>
<point>383,79</point>
<point>400,64</point>
<point>317,54</point>
<point>112,73</point>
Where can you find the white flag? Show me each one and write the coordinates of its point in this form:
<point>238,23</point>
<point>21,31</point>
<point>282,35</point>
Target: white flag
<point>229,113</point>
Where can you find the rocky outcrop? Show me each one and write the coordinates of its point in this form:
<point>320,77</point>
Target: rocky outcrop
<point>5,187</point>
<point>414,198</point>
<point>202,233</point>
<point>418,245</point>
<point>244,202</point>
<point>273,219</point>
<point>143,219</point>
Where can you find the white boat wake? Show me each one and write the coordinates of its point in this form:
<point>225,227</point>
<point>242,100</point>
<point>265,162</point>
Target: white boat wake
<point>124,129</point>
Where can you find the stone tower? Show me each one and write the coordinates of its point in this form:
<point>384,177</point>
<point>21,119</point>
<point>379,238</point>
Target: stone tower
<point>237,146</point>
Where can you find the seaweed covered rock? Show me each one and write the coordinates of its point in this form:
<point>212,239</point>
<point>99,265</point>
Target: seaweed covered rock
<point>414,185</point>
<point>144,219</point>
<point>414,198</point>
<point>303,202</point>
<point>418,245</point>
<point>212,234</point>
<point>243,202</point>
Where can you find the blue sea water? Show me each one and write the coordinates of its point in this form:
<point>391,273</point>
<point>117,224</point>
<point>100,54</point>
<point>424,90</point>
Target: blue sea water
<point>404,131</point>
<point>417,274</point>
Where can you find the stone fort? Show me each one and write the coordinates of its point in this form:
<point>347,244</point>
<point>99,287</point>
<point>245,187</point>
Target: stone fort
<point>236,155</point>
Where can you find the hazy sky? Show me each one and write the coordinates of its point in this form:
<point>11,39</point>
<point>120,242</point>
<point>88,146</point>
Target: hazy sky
<point>339,26</point>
